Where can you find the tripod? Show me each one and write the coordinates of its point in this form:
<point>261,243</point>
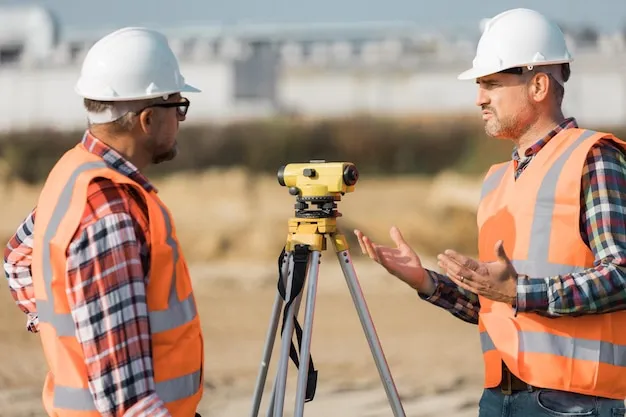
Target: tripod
<point>307,236</point>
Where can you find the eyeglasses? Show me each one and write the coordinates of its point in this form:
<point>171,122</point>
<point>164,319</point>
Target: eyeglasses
<point>181,106</point>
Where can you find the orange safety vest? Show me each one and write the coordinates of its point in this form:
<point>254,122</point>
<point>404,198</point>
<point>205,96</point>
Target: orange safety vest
<point>177,344</point>
<point>538,217</point>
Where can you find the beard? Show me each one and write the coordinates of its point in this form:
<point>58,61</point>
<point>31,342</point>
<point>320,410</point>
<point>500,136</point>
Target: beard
<point>504,128</point>
<point>164,156</point>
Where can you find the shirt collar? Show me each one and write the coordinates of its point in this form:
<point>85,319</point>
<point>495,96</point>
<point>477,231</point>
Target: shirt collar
<point>115,160</point>
<point>568,123</point>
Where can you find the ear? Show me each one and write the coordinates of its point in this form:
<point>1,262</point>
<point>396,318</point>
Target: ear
<point>539,87</point>
<point>146,120</point>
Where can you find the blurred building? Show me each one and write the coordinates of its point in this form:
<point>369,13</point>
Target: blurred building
<point>315,70</point>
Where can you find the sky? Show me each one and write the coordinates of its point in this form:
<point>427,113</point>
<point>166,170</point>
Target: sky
<point>80,15</point>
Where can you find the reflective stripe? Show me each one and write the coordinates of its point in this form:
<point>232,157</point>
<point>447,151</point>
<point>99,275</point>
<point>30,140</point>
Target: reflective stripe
<point>491,182</point>
<point>62,323</point>
<point>174,389</point>
<point>541,228</point>
<point>79,399</point>
<point>596,351</point>
<point>543,268</point>
<point>177,314</point>
<point>486,343</point>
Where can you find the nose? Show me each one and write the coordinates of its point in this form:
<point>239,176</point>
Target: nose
<point>482,98</point>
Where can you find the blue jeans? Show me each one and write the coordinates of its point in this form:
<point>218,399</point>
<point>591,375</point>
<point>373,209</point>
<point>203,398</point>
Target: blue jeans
<point>545,402</point>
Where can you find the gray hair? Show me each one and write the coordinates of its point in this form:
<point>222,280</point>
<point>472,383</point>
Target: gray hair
<point>558,73</point>
<point>119,115</point>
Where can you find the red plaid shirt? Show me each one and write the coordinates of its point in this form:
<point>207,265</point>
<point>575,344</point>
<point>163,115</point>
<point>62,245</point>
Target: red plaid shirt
<point>107,267</point>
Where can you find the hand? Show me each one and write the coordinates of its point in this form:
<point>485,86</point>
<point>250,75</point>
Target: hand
<point>401,261</point>
<point>494,280</point>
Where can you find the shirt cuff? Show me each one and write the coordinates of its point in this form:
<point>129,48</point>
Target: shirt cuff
<point>151,406</point>
<point>437,285</point>
<point>532,294</point>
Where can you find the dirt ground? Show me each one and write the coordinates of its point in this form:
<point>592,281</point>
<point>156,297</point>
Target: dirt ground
<point>434,358</point>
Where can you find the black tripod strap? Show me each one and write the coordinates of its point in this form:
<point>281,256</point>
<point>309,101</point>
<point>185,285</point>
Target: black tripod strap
<point>300,260</point>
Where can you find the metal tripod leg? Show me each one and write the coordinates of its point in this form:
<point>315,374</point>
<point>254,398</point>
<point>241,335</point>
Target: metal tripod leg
<point>286,270</point>
<point>270,408</point>
<point>305,349</point>
<point>370,332</point>
<point>278,399</point>
<point>269,341</point>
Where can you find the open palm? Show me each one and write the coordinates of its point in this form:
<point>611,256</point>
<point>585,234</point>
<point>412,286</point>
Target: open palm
<point>495,280</point>
<point>401,261</point>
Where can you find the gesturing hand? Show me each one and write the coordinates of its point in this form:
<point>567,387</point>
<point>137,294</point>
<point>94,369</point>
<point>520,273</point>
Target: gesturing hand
<point>494,280</point>
<point>401,261</point>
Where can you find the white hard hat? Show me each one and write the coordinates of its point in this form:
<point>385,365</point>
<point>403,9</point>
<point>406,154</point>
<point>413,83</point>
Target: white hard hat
<point>132,63</point>
<point>518,38</point>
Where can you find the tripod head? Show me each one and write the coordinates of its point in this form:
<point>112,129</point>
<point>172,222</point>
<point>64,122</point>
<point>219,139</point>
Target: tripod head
<point>319,183</point>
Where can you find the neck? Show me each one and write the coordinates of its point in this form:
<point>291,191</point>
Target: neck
<point>124,144</point>
<point>541,127</point>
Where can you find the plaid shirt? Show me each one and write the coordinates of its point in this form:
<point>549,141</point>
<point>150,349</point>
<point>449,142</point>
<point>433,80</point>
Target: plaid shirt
<point>599,289</point>
<point>109,308</point>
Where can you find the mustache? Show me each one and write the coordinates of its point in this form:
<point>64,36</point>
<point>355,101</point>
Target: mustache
<point>489,109</point>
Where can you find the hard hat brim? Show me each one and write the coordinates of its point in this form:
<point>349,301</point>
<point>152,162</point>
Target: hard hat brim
<point>185,89</point>
<point>474,73</point>
<point>190,89</point>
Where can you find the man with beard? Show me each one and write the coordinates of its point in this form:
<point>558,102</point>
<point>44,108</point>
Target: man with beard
<point>548,290</point>
<point>97,266</point>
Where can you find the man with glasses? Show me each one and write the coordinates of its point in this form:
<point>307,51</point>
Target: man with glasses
<point>97,266</point>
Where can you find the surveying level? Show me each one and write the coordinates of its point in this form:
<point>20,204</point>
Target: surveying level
<point>321,184</point>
